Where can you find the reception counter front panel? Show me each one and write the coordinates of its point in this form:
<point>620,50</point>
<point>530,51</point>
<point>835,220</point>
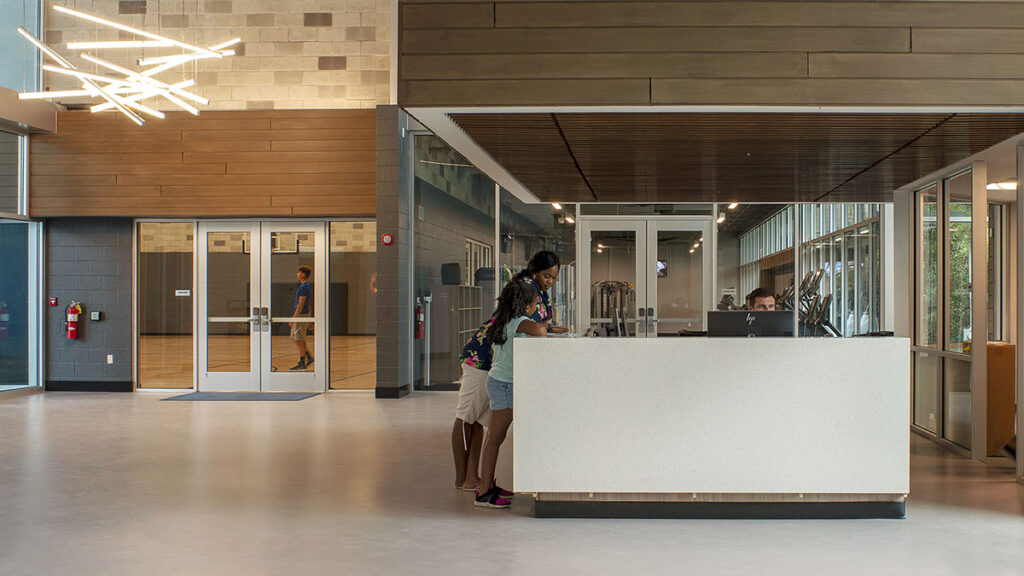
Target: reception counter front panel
<point>804,418</point>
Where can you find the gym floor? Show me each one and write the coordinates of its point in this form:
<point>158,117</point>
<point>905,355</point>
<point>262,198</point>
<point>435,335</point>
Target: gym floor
<point>107,483</point>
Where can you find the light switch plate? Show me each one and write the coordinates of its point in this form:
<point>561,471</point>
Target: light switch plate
<point>95,316</point>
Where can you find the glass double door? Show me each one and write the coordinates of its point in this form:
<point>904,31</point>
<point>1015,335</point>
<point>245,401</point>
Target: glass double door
<point>261,329</point>
<point>646,277</point>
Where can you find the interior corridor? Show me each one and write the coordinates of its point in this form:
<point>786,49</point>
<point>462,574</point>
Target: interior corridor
<point>107,483</point>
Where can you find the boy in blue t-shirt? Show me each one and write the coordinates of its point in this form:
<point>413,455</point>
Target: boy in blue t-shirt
<point>303,306</point>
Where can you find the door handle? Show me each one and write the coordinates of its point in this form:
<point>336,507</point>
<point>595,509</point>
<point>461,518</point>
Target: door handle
<point>265,319</point>
<point>255,319</point>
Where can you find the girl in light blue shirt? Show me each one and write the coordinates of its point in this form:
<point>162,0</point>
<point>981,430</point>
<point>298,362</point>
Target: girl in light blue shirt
<point>517,302</point>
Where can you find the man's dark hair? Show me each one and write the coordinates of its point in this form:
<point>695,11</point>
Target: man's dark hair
<point>306,271</point>
<point>760,293</point>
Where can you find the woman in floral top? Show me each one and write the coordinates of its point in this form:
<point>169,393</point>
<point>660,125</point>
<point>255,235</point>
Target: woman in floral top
<point>472,412</point>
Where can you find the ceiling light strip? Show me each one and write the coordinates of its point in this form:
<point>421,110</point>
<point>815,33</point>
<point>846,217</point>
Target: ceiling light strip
<point>136,31</point>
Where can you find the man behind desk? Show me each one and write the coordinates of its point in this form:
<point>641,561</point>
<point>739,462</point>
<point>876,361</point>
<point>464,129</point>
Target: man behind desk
<point>761,299</point>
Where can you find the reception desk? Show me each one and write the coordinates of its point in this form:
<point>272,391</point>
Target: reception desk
<point>713,427</point>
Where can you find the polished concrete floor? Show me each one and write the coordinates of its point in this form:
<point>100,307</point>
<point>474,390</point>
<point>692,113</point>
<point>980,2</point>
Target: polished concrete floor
<point>345,484</point>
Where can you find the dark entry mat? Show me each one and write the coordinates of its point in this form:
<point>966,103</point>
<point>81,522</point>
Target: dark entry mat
<point>256,396</point>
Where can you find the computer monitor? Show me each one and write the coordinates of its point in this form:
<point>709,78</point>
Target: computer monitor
<point>750,323</point>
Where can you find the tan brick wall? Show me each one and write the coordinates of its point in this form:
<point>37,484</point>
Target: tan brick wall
<point>296,53</point>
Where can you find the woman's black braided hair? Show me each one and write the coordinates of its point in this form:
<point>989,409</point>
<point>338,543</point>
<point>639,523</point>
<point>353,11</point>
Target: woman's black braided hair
<point>541,261</point>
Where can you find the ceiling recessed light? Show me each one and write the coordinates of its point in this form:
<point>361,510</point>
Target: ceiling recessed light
<point>721,217</point>
<point>696,245</point>
<point>570,219</point>
<point>1002,186</point>
<point>598,250</point>
<point>556,205</point>
<point>733,206</point>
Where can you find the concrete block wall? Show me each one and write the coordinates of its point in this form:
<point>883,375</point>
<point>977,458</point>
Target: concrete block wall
<point>89,260</point>
<point>394,308</point>
<point>295,55</point>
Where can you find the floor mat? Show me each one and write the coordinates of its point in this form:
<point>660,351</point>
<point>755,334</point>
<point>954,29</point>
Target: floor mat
<point>257,396</point>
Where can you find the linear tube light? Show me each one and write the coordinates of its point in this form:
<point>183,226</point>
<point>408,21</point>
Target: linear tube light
<point>135,31</point>
<point>118,44</point>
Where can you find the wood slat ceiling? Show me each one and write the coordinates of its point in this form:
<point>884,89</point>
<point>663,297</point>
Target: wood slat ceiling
<point>677,157</point>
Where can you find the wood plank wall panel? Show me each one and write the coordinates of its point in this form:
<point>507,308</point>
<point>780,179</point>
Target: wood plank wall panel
<point>9,164</point>
<point>510,53</point>
<point>245,163</point>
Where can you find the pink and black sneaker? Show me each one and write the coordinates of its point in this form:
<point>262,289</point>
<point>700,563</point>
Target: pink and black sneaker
<point>491,499</point>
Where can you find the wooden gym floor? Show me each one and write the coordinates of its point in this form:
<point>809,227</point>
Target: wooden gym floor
<point>166,361</point>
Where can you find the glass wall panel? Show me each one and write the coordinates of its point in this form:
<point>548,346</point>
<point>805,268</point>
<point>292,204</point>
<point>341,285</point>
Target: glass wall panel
<point>926,407</point>
<point>958,263</point>
<point>927,269</point>
<point>19,64</point>
<point>644,209</point>
<point>529,228</point>
<point>164,304</point>
<point>453,203</point>
<point>9,167</point>
<point>957,401</point>
<point>765,234</point>
<point>996,278</point>
<point>14,303</point>
<point>228,297</point>
<point>613,281</point>
<point>288,251</point>
<point>353,303</point>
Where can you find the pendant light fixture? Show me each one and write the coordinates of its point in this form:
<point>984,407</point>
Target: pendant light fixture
<point>123,89</point>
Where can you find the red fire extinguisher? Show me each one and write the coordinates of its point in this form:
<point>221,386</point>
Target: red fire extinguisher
<point>71,319</point>
<point>5,321</point>
<point>419,320</point>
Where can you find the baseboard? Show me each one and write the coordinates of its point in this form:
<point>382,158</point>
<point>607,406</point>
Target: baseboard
<point>449,387</point>
<point>391,392</point>
<point>720,510</point>
<point>84,386</point>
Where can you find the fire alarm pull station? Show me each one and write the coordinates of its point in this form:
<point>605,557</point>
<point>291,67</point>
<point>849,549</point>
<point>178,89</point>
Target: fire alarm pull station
<point>53,300</point>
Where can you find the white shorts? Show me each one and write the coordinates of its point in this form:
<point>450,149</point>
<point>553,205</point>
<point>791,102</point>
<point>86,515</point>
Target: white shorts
<point>474,403</point>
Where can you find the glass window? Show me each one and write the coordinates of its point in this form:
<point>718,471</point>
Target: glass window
<point>958,401</point>
<point>927,284</point>
<point>926,407</point>
<point>14,307</point>
<point>529,228</point>
<point>9,169</point>
<point>645,209</point>
<point>164,299</point>
<point>353,305</point>
<point>997,243</point>
<point>958,263</point>
<point>452,202</point>
<point>20,68</point>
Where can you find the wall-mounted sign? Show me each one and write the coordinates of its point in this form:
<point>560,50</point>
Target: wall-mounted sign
<point>387,239</point>
<point>182,292</point>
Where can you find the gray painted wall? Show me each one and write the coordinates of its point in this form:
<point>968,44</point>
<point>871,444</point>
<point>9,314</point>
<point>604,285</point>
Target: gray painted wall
<point>89,260</point>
